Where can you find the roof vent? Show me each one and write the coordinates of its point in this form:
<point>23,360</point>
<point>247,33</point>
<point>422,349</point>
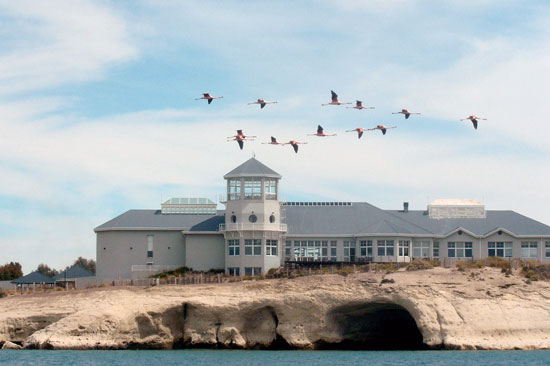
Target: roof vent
<point>189,206</point>
<point>456,209</point>
<point>405,207</point>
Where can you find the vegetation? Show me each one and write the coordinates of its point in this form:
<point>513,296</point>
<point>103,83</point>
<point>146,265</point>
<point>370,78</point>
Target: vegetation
<point>3,294</point>
<point>495,262</point>
<point>176,272</point>
<point>46,270</point>
<point>421,264</point>
<point>10,271</point>
<point>88,264</point>
<point>535,271</point>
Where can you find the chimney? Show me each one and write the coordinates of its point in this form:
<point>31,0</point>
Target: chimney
<point>405,207</point>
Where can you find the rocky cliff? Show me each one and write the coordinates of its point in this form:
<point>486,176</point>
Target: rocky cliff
<point>439,308</point>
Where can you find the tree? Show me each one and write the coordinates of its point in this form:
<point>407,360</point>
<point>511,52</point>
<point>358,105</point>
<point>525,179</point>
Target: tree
<point>46,270</point>
<point>10,271</point>
<point>88,264</point>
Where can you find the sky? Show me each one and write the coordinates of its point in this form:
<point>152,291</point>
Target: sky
<point>98,112</point>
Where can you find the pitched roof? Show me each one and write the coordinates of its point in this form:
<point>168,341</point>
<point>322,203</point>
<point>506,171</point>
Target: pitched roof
<point>74,272</point>
<point>154,219</point>
<point>34,277</point>
<point>252,168</point>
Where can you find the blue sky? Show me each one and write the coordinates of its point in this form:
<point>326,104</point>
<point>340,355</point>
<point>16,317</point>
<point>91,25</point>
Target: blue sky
<point>98,113</point>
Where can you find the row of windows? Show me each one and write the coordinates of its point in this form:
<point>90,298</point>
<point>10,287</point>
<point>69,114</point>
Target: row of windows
<point>253,218</point>
<point>251,247</point>
<point>252,189</point>
<point>248,271</point>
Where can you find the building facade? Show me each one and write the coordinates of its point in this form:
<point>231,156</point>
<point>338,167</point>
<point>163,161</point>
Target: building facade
<point>257,232</point>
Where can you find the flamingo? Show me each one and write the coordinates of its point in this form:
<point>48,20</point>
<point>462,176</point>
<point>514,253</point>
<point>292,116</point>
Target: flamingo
<point>381,128</point>
<point>320,132</point>
<point>294,144</point>
<point>335,100</point>
<point>208,97</point>
<point>240,138</point>
<point>359,131</point>
<point>262,103</point>
<point>273,142</point>
<point>406,112</point>
<point>474,120</point>
<point>359,105</point>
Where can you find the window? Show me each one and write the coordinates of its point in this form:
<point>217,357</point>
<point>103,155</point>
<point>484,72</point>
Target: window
<point>270,189</point>
<point>252,189</point>
<point>436,249</point>
<point>385,248</point>
<point>529,249</point>
<point>252,271</point>
<point>547,249</point>
<point>270,247</point>
<point>272,219</point>
<point>234,271</point>
<point>234,190</point>
<point>234,247</point>
<point>404,248</point>
<point>252,247</point>
<point>252,218</point>
<point>233,218</point>
<point>366,248</point>
<point>500,249</point>
<point>349,250</point>
<point>460,249</point>
<point>421,248</point>
<point>149,246</point>
<point>288,249</point>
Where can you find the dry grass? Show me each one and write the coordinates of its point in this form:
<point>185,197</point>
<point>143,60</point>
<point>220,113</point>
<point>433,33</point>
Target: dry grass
<point>422,264</point>
<point>495,262</point>
<point>535,271</point>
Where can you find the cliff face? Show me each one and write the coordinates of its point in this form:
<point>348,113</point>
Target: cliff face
<point>439,308</point>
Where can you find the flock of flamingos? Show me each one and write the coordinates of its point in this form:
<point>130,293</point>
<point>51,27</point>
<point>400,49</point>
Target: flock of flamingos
<point>240,137</point>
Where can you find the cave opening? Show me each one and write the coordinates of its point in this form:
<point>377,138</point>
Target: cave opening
<point>374,326</point>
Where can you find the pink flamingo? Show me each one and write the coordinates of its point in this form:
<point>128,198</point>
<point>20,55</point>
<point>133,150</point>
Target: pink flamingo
<point>474,120</point>
<point>295,144</point>
<point>359,131</point>
<point>335,100</point>
<point>208,97</point>
<point>381,128</point>
<point>273,142</point>
<point>262,103</point>
<point>359,105</point>
<point>406,112</point>
<point>320,132</point>
<point>240,138</point>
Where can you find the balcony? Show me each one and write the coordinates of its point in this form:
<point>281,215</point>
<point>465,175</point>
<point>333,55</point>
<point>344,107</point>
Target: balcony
<point>252,227</point>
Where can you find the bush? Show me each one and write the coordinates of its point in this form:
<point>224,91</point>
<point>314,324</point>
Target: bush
<point>495,262</point>
<point>535,271</point>
<point>3,294</point>
<point>421,264</point>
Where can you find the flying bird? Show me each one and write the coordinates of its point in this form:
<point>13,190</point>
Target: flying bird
<point>295,144</point>
<point>273,142</point>
<point>208,97</point>
<point>406,112</point>
<point>320,132</point>
<point>381,128</point>
<point>474,120</point>
<point>240,137</point>
<point>335,100</point>
<point>359,105</point>
<point>359,131</point>
<point>262,103</point>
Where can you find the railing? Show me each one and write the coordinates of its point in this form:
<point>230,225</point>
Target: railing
<point>252,227</point>
<point>153,267</point>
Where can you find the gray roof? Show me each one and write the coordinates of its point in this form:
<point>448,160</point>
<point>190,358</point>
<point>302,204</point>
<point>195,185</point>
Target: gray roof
<point>252,168</point>
<point>34,277</point>
<point>154,219</point>
<point>74,272</point>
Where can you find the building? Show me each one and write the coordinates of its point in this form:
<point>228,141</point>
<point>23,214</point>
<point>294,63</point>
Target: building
<point>257,231</point>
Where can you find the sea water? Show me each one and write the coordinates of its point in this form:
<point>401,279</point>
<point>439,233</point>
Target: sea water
<point>273,358</point>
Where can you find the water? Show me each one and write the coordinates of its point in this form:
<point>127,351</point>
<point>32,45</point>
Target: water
<point>275,358</point>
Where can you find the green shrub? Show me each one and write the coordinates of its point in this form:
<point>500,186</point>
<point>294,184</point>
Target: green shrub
<point>421,264</point>
<point>3,294</point>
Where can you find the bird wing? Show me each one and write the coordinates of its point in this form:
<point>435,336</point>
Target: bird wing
<point>295,146</point>
<point>273,139</point>
<point>241,143</point>
<point>262,105</point>
<point>239,132</point>
<point>206,95</point>
<point>334,96</point>
<point>474,121</point>
<point>319,129</point>
<point>359,134</point>
<point>407,115</point>
<point>210,101</point>
<point>358,103</point>
<point>383,131</point>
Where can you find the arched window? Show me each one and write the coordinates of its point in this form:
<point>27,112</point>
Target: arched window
<point>272,219</point>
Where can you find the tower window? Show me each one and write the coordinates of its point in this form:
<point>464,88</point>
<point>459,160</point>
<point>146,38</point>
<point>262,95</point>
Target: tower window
<point>233,218</point>
<point>252,189</point>
<point>252,218</point>
<point>234,190</point>
<point>270,189</point>
<point>272,219</point>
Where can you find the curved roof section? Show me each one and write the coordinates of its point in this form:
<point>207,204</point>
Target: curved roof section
<point>252,168</point>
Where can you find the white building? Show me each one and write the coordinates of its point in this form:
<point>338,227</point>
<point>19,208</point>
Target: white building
<point>257,232</point>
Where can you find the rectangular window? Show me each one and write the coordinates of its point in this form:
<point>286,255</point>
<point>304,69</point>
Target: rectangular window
<point>333,243</point>
<point>324,243</point>
<point>436,249</point>
<point>149,246</point>
<point>459,249</point>
<point>529,249</point>
<point>404,248</point>
<point>421,248</point>
<point>349,250</point>
<point>270,189</point>
<point>252,271</point>
<point>252,247</point>
<point>500,249</point>
<point>252,189</point>
<point>547,249</point>
<point>333,254</point>
<point>234,271</point>
<point>234,247</point>
<point>270,247</point>
<point>288,249</point>
<point>366,248</point>
<point>234,190</point>
<point>385,248</point>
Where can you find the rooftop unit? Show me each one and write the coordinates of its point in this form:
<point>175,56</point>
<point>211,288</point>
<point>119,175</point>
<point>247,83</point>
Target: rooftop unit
<point>188,206</point>
<point>456,209</point>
